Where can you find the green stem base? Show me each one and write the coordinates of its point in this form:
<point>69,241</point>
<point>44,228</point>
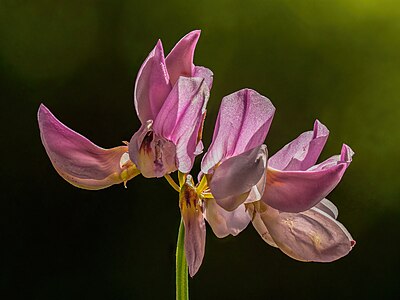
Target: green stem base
<point>182,283</point>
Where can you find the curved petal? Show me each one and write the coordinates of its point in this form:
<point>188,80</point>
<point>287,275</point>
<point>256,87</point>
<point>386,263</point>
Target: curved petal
<point>255,211</point>
<point>181,117</point>
<point>345,156</point>
<point>225,222</point>
<point>233,180</point>
<point>195,227</point>
<point>78,160</point>
<point>311,235</point>
<point>257,190</point>
<point>295,191</point>
<point>205,73</point>
<point>303,152</point>
<point>328,207</point>
<point>180,60</point>
<point>136,142</point>
<point>152,85</point>
<point>243,122</point>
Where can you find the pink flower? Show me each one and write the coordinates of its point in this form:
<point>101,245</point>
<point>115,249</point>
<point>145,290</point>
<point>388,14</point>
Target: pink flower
<point>170,99</point>
<point>171,108</point>
<point>285,200</point>
<point>283,196</point>
<point>234,166</point>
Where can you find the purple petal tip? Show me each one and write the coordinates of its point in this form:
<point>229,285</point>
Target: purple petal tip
<point>159,46</point>
<point>346,153</point>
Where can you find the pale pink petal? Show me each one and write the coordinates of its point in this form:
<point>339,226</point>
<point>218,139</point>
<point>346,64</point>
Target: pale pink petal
<point>78,160</point>
<point>181,117</point>
<point>195,227</point>
<point>328,207</point>
<point>257,190</point>
<point>153,155</point>
<point>180,60</point>
<point>243,122</point>
<point>136,142</point>
<point>259,224</point>
<point>205,73</point>
<point>345,156</point>
<point>295,191</point>
<point>199,147</point>
<point>311,235</point>
<point>303,152</point>
<point>152,85</point>
<point>225,222</point>
<point>232,181</point>
<point>195,239</point>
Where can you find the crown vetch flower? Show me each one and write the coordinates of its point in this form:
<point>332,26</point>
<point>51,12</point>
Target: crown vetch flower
<point>233,171</point>
<point>236,159</point>
<point>283,196</point>
<point>235,162</point>
<point>170,99</point>
<point>242,186</point>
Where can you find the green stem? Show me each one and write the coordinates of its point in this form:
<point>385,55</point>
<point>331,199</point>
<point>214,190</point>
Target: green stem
<point>182,284</point>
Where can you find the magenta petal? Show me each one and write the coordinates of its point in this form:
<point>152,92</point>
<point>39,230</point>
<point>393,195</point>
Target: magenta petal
<point>233,180</point>
<point>152,85</point>
<point>180,60</point>
<point>205,73</point>
<point>77,159</point>
<point>303,152</point>
<point>311,235</point>
<point>296,191</point>
<point>181,117</point>
<point>225,222</point>
<point>243,122</point>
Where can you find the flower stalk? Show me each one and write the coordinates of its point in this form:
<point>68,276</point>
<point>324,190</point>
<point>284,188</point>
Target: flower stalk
<point>182,284</point>
<point>172,182</point>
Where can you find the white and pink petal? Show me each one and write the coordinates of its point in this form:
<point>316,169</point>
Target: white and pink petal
<point>303,152</point>
<point>242,124</point>
<point>181,117</point>
<point>312,235</point>
<point>233,180</point>
<point>152,85</point>
<point>180,60</point>
<point>224,223</point>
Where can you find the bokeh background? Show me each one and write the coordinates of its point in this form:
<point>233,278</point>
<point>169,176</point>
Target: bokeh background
<point>338,61</point>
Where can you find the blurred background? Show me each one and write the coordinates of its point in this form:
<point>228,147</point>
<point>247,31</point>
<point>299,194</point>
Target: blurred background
<point>338,61</point>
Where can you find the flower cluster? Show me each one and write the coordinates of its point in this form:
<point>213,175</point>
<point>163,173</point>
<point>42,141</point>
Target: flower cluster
<point>283,196</point>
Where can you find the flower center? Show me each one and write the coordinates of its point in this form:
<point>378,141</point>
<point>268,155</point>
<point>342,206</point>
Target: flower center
<point>189,201</point>
<point>156,156</point>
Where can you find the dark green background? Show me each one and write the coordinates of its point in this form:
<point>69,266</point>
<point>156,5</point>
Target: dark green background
<point>338,61</point>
